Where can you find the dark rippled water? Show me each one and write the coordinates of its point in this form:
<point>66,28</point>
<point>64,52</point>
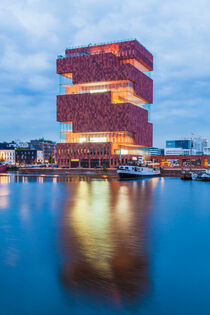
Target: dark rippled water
<point>84,245</point>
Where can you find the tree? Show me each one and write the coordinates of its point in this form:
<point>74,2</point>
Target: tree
<point>51,160</point>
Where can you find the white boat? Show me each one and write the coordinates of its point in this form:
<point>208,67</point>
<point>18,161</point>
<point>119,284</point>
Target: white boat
<point>131,170</point>
<point>204,177</point>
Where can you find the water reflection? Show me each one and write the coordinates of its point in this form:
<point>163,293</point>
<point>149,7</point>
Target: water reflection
<point>76,236</point>
<point>104,238</point>
<point>103,230</point>
<point>4,192</point>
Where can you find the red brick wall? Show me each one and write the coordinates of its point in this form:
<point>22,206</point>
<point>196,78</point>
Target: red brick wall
<point>106,67</point>
<point>133,49</point>
<point>95,113</point>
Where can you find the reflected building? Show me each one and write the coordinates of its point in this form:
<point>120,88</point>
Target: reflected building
<point>4,192</point>
<point>104,239</point>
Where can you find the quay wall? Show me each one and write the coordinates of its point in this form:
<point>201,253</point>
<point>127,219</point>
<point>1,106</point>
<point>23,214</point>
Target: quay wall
<point>166,172</point>
<point>171,172</point>
<point>88,171</point>
<point>67,171</point>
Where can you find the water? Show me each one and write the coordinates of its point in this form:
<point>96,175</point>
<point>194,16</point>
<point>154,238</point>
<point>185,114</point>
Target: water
<point>84,245</point>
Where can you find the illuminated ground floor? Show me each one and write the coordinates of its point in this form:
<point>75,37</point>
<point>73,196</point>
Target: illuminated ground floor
<point>182,161</point>
<point>91,155</point>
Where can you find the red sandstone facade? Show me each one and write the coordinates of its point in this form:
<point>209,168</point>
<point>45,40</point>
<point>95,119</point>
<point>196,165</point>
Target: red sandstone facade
<point>103,104</point>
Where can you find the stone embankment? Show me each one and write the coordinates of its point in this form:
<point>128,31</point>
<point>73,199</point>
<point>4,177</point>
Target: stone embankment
<point>172,172</point>
<point>169,172</point>
<point>66,171</point>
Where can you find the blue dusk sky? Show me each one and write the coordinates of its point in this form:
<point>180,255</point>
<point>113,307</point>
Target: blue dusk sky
<point>34,32</point>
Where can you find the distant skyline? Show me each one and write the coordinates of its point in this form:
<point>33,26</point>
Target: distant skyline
<point>33,33</point>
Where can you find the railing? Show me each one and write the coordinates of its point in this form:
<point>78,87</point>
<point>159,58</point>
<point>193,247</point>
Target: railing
<point>99,44</point>
<point>84,53</point>
<point>104,43</point>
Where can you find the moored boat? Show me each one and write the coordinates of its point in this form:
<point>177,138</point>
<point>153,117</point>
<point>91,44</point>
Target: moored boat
<point>186,175</point>
<point>204,177</point>
<point>137,170</point>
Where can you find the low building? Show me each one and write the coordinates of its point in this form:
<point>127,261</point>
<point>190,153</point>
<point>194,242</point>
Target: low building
<point>19,144</point>
<point>47,146</point>
<point>185,146</point>
<point>26,156</point>
<point>49,149</point>
<point>7,155</point>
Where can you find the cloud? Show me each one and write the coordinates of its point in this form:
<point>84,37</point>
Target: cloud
<point>33,32</point>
